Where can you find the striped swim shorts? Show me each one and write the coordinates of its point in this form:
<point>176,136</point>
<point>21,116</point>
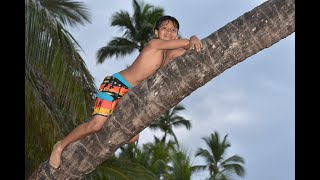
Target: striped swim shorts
<point>111,90</point>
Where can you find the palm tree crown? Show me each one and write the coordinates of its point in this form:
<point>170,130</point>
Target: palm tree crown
<point>220,168</point>
<point>138,30</point>
<point>170,119</point>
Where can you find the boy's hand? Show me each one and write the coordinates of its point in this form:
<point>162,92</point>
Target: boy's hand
<point>195,43</point>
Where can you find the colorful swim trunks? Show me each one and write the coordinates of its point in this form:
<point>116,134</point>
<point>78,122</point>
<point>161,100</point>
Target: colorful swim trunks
<point>111,90</point>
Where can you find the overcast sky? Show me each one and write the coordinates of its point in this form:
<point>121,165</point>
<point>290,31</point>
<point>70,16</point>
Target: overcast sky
<point>253,102</point>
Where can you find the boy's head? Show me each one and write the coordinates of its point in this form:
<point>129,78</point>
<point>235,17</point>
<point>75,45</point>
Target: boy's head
<point>166,25</point>
<point>166,19</point>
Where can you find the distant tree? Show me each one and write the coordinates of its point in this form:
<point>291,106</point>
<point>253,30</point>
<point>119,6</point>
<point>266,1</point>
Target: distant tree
<point>158,154</point>
<point>120,169</point>
<point>167,121</point>
<point>180,166</point>
<point>219,166</point>
<point>130,151</point>
<point>138,30</point>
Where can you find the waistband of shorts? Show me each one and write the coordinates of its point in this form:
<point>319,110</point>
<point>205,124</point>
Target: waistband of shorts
<point>122,79</point>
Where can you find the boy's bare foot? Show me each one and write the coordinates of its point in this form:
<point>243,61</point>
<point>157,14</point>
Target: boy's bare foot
<point>55,156</point>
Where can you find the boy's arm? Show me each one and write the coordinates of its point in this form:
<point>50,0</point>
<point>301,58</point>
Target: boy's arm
<point>169,44</point>
<point>195,43</point>
<point>192,43</point>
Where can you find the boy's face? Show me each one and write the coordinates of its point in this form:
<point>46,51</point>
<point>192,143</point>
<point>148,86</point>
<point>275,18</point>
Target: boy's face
<point>167,31</point>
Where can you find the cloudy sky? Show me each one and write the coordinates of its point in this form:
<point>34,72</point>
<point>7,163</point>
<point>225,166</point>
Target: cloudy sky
<point>253,102</point>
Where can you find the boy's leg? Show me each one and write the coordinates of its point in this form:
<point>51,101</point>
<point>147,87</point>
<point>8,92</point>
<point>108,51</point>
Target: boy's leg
<point>83,130</point>
<point>134,139</point>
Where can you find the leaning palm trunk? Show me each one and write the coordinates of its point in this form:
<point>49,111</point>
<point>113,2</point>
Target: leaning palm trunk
<point>260,28</point>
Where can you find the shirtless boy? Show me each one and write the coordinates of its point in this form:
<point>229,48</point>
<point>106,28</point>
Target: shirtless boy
<point>157,53</point>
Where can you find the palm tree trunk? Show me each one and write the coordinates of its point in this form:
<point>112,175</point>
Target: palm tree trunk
<point>260,28</point>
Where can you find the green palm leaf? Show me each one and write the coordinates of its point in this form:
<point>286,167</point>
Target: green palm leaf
<point>117,47</point>
<point>137,30</point>
<point>58,85</point>
<point>120,169</point>
<point>219,167</point>
<point>170,119</point>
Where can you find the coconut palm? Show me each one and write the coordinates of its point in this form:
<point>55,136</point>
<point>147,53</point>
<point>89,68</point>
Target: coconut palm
<point>138,30</point>
<point>158,154</point>
<point>181,167</point>
<point>223,49</point>
<point>58,85</point>
<point>167,121</point>
<point>130,152</point>
<point>220,167</point>
<point>120,169</point>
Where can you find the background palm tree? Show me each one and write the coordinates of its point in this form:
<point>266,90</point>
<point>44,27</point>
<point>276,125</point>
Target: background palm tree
<point>170,119</point>
<point>130,152</point>
<point>180,166</point>
<point>120,169</point>
<point>58,85</point>
<point>220,167</point>
<point>158,156</point>
<point>138,30</point>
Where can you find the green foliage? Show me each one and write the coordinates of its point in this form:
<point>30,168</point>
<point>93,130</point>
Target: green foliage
<point>58,85</point>
<point>158,154</point>
<point>120,169</point>
<point>220,167</point>
<point>180,168</point>
<point>138,30</point>
<point>170,119</point>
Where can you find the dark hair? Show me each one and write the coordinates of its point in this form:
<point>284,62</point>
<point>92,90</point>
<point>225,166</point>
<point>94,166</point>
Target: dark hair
<point>166,18</point>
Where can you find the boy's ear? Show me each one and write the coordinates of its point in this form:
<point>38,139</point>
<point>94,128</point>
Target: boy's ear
<point>156,33</point>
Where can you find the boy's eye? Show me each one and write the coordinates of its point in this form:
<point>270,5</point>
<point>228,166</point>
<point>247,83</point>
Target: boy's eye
<point>169,29</point>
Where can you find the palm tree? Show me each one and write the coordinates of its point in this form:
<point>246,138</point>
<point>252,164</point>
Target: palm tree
<point>58,85</point>
<point>138,30</point>
<point>226,47</point>
<point>130,152</point>
<point>181,167</point>
<point>168,120</point>
<point>220,167</point>
<point>120,169</point>
<point>158,154</point>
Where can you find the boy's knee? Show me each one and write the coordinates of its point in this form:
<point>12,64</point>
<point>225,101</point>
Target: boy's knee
<point>96,123</point>
<point>134,139</point>
<point>95,127</point>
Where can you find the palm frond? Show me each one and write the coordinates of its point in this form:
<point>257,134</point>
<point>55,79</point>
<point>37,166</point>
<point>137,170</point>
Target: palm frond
<point>137,29</point>
<point>67,12</point>
<point>121,169</point>
<point>180,121</point>
<point>117,47</point>
<point>58,87</point>
<point>123,21</point>
<point>218,167</point>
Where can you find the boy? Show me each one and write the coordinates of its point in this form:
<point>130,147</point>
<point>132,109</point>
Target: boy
<point>157,53</point>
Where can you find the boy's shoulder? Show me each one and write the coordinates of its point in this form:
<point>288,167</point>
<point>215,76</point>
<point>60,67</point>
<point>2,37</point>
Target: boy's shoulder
<point>153,43</point>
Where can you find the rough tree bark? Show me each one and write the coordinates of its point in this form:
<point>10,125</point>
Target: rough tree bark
<point>252,32</point>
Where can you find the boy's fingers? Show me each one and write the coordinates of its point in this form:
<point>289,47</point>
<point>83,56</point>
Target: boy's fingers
<point>199,47</point>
